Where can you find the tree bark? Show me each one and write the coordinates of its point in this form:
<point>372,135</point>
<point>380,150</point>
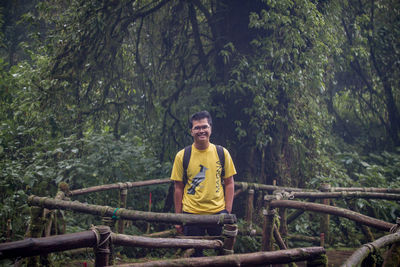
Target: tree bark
<point>360,254</point>
<point>117,186</point>
<point>382,225</point>
<point>149,242</point>
<point>344,194</point>
<point>36,246</point>
<point>249,259</point>
<point>106,211</point>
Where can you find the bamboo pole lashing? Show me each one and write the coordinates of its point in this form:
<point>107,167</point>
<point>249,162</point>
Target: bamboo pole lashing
<point>229,234</point>
<point>102,249</point>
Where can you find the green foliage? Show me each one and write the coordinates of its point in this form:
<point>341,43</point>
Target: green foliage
<point>306,94</point>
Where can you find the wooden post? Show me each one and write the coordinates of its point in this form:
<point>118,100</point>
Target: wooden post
<point>324,224</point>
<point>110,222</point>
<point>102,249</point>
<point>322,240</point>
<point>268,226</point>
<point>319,261</point>
<point>36,227</point>
<point>283,228</point>
<point>229,234</point>
<point>123,193</point>
<point>393,256</point>
<point>249,210</point>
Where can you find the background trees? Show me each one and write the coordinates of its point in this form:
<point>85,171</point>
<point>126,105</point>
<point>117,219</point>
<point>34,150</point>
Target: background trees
<point>302,92</point>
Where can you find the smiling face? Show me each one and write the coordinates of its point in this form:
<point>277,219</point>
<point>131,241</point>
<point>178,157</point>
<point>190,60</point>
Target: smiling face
<point>201,132</point>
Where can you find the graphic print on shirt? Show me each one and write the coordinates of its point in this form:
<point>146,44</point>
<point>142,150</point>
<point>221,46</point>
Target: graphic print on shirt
<point>218,177</point>
<point>197,180</point>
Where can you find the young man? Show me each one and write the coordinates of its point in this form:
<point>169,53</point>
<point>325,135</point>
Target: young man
<point>202,192</point>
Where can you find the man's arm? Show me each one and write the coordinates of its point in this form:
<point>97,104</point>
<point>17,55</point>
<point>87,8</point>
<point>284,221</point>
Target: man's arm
<point>229,193</point>
<point>178,195</point>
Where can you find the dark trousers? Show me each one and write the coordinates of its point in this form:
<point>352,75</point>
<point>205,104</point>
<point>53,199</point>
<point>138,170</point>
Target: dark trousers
<point>201,230</point>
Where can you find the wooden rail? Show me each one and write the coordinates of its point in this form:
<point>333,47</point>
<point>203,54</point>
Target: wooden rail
<point>309,254</point>
<point>124,185</point>
<point>357,217</point>
<point>91,239</point>
<point>133,215</point>
<point>362,253</point>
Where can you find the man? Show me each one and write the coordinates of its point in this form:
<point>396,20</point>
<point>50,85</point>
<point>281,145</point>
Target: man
<point>203,192</point>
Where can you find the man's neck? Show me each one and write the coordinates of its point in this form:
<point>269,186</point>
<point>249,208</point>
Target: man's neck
<point>201,146</point>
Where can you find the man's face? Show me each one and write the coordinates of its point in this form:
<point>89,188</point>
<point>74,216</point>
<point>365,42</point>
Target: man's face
<point>201,131</point>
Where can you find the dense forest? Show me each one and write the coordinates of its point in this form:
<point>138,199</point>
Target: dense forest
<point>302,92</point>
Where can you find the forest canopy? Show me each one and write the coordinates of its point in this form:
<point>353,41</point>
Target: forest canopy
<point>94,92</point>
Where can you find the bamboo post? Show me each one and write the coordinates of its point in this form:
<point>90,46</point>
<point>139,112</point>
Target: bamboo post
<point>249,210</point>
<point>393,256</point>
<point>268,226</point>
<point>102,248</point>
<point>9,230</point>
<point>324,224</point>
<point>35,231</point>
<point>110,222</point>
<point>148,224</point>
<point>229,234</point>
<point>123,193</point>
<point>322,240</point>
<point>319,261</point>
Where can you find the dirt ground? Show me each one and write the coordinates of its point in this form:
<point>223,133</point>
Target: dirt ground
<point>335,258</point>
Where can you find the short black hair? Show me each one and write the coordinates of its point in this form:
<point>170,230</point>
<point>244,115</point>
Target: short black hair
<point>199,116</point>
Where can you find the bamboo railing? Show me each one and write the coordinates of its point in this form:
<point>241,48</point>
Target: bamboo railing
<point>101,239</point>
<point>133,215</point>
<point>363,255</point>
<point>271,202</point>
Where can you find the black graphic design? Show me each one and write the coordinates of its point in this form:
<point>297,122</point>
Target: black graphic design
<point>218,177</point>
<point>197,180</point>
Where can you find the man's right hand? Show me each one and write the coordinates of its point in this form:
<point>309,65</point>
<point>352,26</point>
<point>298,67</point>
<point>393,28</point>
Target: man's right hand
<point>179,229</point>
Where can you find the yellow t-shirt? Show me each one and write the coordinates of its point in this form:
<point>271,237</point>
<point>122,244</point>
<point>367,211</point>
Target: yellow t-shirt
<point>203,192</point>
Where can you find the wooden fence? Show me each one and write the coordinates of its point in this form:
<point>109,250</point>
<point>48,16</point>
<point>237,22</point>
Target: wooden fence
<point>277,199</point>
<point>101,239</point>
